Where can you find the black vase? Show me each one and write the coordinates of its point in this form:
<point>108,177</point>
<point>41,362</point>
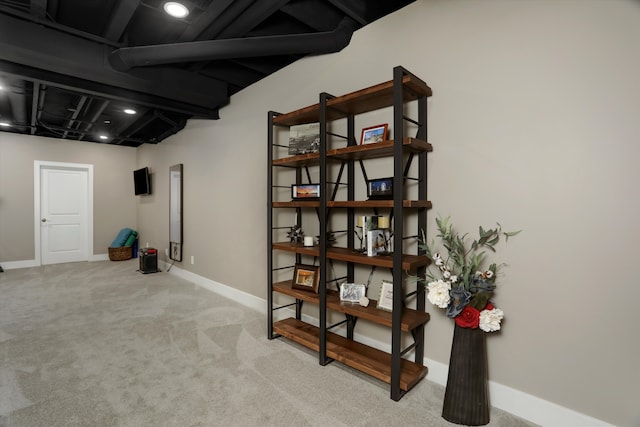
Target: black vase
<point>466,398</point>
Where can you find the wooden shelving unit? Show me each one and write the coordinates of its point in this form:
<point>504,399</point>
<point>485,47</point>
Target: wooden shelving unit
<point>400,373</point>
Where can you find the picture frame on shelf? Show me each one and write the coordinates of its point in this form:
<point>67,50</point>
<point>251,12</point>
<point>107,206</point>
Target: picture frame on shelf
<point>352,292</point>
<point>305,191</point>
<point>304,138</point>
<point>306,278</point>
<point>385,300</point>
<point>380,189</point>
<point>373,134</point>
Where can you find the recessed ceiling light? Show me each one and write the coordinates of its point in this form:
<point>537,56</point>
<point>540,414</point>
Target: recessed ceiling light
<point>1,87</point>
<point>103,137</point>
<point>5,124</point>
<point>175,9</point>
<point>129,111</point>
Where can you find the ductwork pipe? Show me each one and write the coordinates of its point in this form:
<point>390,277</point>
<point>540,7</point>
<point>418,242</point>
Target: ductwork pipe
<point>126,58</point>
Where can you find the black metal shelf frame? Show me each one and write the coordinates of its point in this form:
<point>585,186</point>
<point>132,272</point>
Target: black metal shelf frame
<point>400,175</point>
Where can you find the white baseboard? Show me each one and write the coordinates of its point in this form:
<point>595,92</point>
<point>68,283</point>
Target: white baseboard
<point>243,298</point>
<point>514,401</point>
<point>538,410</point>
<point>12,265</point>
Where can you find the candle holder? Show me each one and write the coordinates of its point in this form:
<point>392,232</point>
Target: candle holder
<point>388,242</point>
<point>360,237</point>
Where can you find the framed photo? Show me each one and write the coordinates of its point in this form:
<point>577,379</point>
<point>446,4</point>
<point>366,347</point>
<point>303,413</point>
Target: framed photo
<point>352,292</point>
<point>306,277</point>
<point>304,138</point>
<point>305,191</point>
<point>385,300</point>
<point>381,188</point>
<point>374,134</point>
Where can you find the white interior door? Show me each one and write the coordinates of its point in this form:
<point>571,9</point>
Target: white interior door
<point>64,214</point>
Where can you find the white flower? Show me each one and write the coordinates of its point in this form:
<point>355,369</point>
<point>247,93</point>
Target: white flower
<point>488,274</point>
<point>453,279</point>
<point>439,293</point>
<point>446,274</point>
<point>439,261</point>
<point>490,319</point>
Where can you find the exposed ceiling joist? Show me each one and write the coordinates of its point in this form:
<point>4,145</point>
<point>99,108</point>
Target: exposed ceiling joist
<point>57,57</point>
<point>43,48</point>
<point>122,15</point>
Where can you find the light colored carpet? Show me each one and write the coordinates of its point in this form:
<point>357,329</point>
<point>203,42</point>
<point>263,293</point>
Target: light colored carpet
<point>99,344</point>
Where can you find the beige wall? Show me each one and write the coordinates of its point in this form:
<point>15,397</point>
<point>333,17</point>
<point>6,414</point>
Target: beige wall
<point>534,122</point>
<point>114,204</point>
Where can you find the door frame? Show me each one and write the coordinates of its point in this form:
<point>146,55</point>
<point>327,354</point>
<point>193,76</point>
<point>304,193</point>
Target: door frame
<point>38,165</point>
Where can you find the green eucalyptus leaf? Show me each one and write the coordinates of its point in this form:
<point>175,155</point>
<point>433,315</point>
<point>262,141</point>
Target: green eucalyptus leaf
<point>479,300</point>
<point>464,257</point>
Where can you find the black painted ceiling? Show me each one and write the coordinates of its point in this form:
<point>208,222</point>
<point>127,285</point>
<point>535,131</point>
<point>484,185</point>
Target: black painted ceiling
<point>68,68</point>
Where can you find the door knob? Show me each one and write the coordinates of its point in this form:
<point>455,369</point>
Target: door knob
<point>44,220</point>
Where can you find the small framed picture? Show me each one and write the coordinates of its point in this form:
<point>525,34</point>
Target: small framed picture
<point>305,191</point>
<point>385,300</point>
<point>304,139</point>
<point>381,188</point>
<point>352,292</point>
<point>373,134</point>
<point>306,277</point>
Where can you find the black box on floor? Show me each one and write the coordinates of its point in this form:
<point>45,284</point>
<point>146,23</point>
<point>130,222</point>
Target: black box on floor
<point>148,260</point>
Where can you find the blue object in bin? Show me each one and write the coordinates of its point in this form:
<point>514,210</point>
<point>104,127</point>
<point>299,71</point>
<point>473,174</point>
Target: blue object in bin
<point>122,236</point>
<point>134,248</point>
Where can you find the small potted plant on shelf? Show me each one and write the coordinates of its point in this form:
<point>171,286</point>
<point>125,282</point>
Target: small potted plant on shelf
<point>463,285</point>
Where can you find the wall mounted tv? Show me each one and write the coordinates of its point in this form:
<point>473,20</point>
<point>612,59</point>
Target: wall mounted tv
<point>141,181</point>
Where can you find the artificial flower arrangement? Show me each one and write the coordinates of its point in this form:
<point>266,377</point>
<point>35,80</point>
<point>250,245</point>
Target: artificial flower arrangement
<point>464,287</point>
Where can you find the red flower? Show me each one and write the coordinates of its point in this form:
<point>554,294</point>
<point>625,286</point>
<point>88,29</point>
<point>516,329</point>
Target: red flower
<point>489,306</point>
<point>468,318</point>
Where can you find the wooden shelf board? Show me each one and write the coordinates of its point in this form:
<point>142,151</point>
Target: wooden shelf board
<point>297,204</point>
<point>365,359</point>
<point>298,248</point>
<point>352,204</point>
<point>409,262</point>
<point>355,152</point>
<point>411,318</point>
<point>298,160</point>
<point>376,97</point>
<point>377,204</point>
<point>310,114</point>
<point>378,149</point>
<point>361,101</point>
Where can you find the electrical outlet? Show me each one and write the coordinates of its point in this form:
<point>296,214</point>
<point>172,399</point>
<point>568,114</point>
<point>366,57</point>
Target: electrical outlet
<point>147,244</point>
<point>192,260</point>
<point>166,251</point>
